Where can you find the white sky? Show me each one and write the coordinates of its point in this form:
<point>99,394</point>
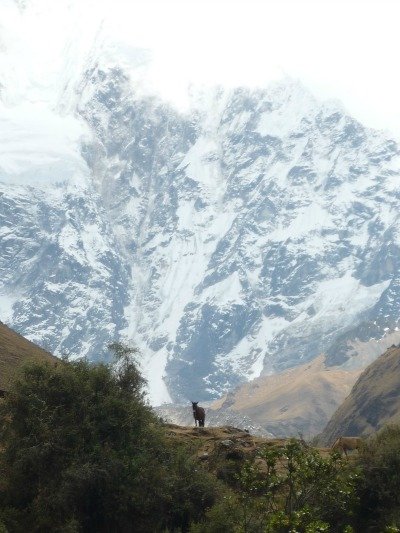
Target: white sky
<point>340,49</point>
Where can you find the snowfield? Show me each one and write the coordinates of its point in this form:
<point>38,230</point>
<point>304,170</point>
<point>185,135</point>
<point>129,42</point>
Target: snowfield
<point>247,234</point>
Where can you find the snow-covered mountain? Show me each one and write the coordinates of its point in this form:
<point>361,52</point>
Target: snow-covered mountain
<point>245,235</point>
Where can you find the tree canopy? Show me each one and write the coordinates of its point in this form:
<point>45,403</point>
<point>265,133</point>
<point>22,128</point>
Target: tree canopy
<point>83,452</point>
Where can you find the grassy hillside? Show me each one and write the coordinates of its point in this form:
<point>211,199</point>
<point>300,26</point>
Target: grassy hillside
<point>298,400</point>
<point>14,351</point>
<point>373,402</point>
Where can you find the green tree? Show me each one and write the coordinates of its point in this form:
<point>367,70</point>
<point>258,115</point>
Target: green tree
<point>288,489</point>
<point>379,487</point>
<point>81,451</point>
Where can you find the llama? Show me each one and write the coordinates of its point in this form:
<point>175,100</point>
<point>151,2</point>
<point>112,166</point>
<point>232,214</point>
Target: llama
<point>347,444</point>
<point>198,414</point>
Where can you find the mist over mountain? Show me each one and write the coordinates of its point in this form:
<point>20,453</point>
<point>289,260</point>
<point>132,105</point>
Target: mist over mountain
<point>247,234</point>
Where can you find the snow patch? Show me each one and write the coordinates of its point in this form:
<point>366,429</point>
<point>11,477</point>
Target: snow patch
<point>7,302</point>
<point>253,348</point>
<point>344,296</point>
<point>153,370</point>
<point>286,119</point>
<point>225,293</point>
<point>39,147</point>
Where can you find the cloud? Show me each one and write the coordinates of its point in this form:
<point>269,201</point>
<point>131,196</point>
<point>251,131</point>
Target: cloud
<point>340,49</point>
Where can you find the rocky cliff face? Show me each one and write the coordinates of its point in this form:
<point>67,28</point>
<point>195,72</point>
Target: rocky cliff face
<point>246,235</point>
<point>373,402</point>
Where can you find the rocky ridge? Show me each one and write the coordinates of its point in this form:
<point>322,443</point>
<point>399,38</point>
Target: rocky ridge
<point>245,236</point>
<point>373,402</point>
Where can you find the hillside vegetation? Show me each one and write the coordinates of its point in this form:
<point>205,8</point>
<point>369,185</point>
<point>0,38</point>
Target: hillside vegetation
<point>15,350</point>
<point>81,451</point>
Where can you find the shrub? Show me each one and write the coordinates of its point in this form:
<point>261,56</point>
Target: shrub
<point>288,489</point>
<point>83,452</point>
<point>379,487</point>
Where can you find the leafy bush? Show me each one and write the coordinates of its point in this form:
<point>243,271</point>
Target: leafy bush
<point>81,451</point>
<point>288,489</point>
<point>379,487</point>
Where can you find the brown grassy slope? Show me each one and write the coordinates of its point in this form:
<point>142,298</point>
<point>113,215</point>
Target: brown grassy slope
<point>14,351</point>
<point>298,400</point>
<point>373,401</point>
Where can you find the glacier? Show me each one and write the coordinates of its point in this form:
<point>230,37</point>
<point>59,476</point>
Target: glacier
<point>245,234</point>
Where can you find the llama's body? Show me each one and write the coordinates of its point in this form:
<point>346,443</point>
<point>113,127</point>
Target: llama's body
<point>347,444</point>
<point>199,414</point>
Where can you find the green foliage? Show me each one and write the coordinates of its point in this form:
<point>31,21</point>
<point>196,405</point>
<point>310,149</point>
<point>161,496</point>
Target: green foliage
<point>291,489</point>
<point>191,491</point>
<point>224,516</point>
<point>380,483</point>
<point>83,452</point>
<point>126,369</point>
<point>325,487</point>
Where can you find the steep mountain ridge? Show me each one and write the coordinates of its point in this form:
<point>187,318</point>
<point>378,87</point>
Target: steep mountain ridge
<point>296,401</point>
<point>247,235</point>
<point>373,402</point>
<point>15,350</point>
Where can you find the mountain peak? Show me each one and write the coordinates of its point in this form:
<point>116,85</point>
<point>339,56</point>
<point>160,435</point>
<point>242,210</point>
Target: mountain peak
<point>226,241</point>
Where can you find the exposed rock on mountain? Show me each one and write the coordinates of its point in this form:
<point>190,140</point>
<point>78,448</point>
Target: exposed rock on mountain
<point>373,402</point>
<point>244,236</point>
